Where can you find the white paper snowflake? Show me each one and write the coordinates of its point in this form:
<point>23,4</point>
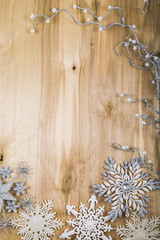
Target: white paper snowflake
<point>88,224</point>
<point>125,188</point>
<point>37,222</point>
<point>140,229</point>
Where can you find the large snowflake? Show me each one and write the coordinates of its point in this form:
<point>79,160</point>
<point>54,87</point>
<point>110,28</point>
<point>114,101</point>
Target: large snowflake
<point>37,222</point>
<point>140,229</point>
<point>88,224</point>
<point>126,188</point>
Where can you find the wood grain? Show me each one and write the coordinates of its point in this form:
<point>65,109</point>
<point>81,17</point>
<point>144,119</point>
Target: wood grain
<point>59,104</point>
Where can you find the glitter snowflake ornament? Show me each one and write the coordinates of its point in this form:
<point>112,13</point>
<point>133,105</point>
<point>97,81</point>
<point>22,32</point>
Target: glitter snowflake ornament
<point>140,229</point>
<point>27,201</point>
<point>5,223</point>
<point>88,224</point>
<point>126,188</point>
<point>23,170</point>
<point>9,192</point>
<point>38,222</point>
<point>5,172</point>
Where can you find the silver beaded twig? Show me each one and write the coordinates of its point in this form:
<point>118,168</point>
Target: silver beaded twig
<point>85,10</point>
<point>146,7</point>
<point>152,63</point>
<point>146,120</point>
<point>141,160</point>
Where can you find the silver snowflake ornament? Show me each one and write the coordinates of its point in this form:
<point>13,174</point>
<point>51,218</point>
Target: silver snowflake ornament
<point>88,224</point>
<point>5,223</point>
<point>20,188</point>
<point>126,188</point>
<point>140,229</point>
<point>12,206</point>
<point>37,222</point>
<point>27,201</point>
<point>5,172</point>
<point>23,170</point>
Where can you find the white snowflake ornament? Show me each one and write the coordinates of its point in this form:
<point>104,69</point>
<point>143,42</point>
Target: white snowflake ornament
<point>126,188</point>
<point>140,229</point>
<point>88,224</point>
<point>38,222</point>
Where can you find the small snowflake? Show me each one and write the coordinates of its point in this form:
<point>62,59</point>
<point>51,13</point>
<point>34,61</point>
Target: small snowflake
<point>5,223</point>
<point>37,222</point>
<point>20,188</point>
<point>23,170</point>
<point>27,201</point>
<point>88,224</point>
<point>12,206</point>
<point>140,229</point>
<point>126,188</point>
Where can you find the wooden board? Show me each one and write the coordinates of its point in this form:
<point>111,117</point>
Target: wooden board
<point>59,97</point>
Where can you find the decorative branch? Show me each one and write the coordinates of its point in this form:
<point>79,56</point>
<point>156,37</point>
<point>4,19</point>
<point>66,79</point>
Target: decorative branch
<point>146,6</point>
<point>85,10</point>
<point>151,61</point>
<point>140,160</point>
<point>146,120</point>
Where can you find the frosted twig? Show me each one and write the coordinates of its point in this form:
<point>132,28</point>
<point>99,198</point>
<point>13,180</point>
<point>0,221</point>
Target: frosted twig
<point>141,160</point>
<point>146,6</point>
<point>146,120</point>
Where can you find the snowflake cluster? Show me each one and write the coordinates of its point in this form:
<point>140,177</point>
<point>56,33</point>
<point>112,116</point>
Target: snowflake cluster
<point>12,190</point>
<point>126,188</point>
<point>89,223</point>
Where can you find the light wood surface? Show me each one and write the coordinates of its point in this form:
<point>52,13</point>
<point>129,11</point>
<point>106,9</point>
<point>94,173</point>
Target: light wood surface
<point>62,120</point>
